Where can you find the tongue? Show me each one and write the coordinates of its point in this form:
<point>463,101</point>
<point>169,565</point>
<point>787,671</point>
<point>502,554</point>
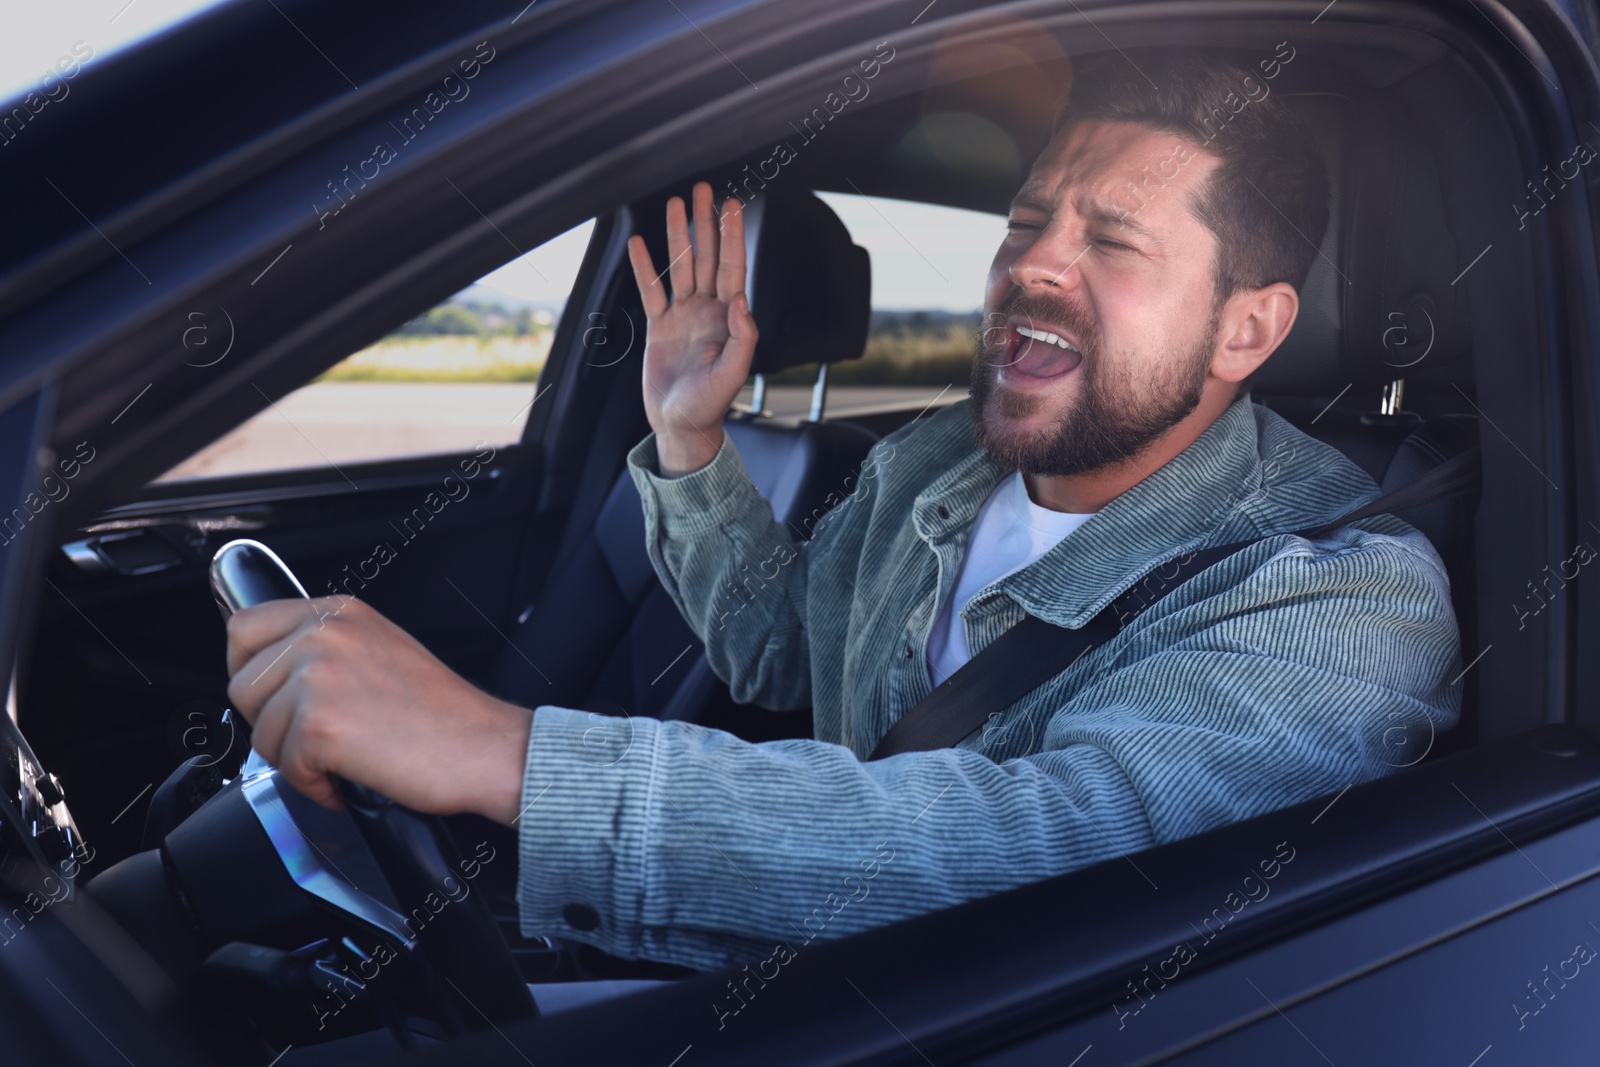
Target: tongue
<point>1040,359</point>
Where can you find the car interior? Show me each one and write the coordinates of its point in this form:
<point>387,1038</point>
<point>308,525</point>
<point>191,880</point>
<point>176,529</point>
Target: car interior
<point>1397,360</point>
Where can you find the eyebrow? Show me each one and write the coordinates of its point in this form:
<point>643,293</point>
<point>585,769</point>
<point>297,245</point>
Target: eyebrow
<point>1030,197</point>
<point>1101,213</point>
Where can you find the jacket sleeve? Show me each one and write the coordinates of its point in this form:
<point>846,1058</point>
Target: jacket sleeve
<point>736,575</point>
<point>695,847</point>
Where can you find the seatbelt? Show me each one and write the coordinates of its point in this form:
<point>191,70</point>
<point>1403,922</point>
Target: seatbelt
<point>1034,651</point>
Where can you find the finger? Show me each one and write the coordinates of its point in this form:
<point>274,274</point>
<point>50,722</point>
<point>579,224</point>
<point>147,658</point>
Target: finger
<point>252,629</point>
<point>272,723</point>
<point>258,680</point>
<point>651,292</point>
<point>741,346</point>
<point>255,683</point>
<point>705,239</point>
<point>303,760</point>
<point>730,264</point>
<point>681,267</point>
<point>321,631</point>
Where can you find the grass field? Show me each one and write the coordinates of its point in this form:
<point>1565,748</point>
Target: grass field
<point>445,359</point>
<point>938,355</point>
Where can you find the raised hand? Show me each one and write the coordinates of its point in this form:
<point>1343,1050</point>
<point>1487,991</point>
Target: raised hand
<point>697,348</point>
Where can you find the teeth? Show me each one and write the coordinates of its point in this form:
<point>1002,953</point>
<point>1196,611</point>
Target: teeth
<point>1042,335</point>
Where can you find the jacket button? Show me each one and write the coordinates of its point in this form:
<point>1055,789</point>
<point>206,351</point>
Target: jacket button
<point>944,512</point>
<point>580,916</point>
<point>909,653</point>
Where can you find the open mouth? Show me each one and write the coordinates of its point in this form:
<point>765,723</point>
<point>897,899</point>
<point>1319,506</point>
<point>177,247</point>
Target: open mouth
<point>1038,353</point>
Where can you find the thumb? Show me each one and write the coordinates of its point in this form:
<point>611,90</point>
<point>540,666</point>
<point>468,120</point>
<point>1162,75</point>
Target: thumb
<point>742,328</point>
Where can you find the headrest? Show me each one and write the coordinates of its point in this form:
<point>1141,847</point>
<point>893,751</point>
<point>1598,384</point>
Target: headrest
<point>809,285</point>
<point>1379,293</point>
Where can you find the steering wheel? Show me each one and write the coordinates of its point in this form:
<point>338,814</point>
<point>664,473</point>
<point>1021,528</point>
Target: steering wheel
<point>462,945</point>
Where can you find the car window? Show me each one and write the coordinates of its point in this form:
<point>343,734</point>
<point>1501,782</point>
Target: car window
<point>37,64</point>
<point>460,374</point>
<point>929,263</point>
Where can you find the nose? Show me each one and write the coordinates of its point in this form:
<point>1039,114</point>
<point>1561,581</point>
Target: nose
<point>1050,262</point>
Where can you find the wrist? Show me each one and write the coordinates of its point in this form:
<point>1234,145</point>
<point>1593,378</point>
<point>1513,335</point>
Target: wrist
<point>499,793</point>
<point>682,452</point>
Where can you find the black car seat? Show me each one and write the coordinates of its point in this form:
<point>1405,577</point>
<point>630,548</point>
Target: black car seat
<point>1380,348</point>
<point>603,632</point>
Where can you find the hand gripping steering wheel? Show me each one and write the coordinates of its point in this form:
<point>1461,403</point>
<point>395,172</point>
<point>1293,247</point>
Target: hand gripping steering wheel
<point>462,945</point>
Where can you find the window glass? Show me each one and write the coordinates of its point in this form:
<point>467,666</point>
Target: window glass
<point>929,264</point>
<point>36,57</point>
<point>461,373</point>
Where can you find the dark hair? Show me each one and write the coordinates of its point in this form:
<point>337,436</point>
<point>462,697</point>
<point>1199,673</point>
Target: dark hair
<point>1267,203</point>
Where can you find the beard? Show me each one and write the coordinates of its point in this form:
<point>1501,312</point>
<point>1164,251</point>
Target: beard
<point>1113,416</point>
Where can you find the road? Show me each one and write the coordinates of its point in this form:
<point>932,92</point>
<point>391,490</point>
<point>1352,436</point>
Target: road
<point>339,423</point>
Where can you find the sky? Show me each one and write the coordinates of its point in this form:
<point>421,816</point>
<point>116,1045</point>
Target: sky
<point>39,32</point>
<point>541,276</point>
<point>923,257</point>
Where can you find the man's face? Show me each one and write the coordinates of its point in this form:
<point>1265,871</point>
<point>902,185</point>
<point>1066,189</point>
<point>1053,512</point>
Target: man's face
<point>1103,252</point>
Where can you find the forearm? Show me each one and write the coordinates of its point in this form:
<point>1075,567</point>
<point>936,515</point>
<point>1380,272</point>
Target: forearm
<point>735,574</point>
<point>694,847</point>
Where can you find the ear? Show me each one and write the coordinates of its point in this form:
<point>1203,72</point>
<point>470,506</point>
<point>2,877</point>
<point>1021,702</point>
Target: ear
<point>1253,324</point>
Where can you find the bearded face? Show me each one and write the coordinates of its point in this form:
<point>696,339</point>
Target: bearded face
<point>1048,398</point>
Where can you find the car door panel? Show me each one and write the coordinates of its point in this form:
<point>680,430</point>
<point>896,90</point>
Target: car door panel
<point>130,642</point>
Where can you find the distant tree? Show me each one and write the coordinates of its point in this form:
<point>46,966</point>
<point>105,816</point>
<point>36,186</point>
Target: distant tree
<point>446,320</point>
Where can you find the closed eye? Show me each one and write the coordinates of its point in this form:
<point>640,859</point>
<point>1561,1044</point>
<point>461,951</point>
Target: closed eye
<point>1106,242</point>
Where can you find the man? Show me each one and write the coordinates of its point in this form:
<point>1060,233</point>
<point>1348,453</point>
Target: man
<point>1150,265</point>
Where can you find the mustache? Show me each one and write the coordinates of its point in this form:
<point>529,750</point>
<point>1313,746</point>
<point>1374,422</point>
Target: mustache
<point>1040,307</point>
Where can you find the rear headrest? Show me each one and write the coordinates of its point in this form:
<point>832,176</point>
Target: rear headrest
<point>1378,295</point>
<point>810,286</point>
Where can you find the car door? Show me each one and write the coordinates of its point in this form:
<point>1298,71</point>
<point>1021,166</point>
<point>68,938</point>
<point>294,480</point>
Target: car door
<point>401,475</point>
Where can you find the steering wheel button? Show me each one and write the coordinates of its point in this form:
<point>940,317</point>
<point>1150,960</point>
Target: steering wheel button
<point>580,917</point>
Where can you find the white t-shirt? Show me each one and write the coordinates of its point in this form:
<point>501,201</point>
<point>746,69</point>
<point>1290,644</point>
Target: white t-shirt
<point>1010,532</point>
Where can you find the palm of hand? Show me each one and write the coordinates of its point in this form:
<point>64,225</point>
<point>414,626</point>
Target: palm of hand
<point>699,346</point>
